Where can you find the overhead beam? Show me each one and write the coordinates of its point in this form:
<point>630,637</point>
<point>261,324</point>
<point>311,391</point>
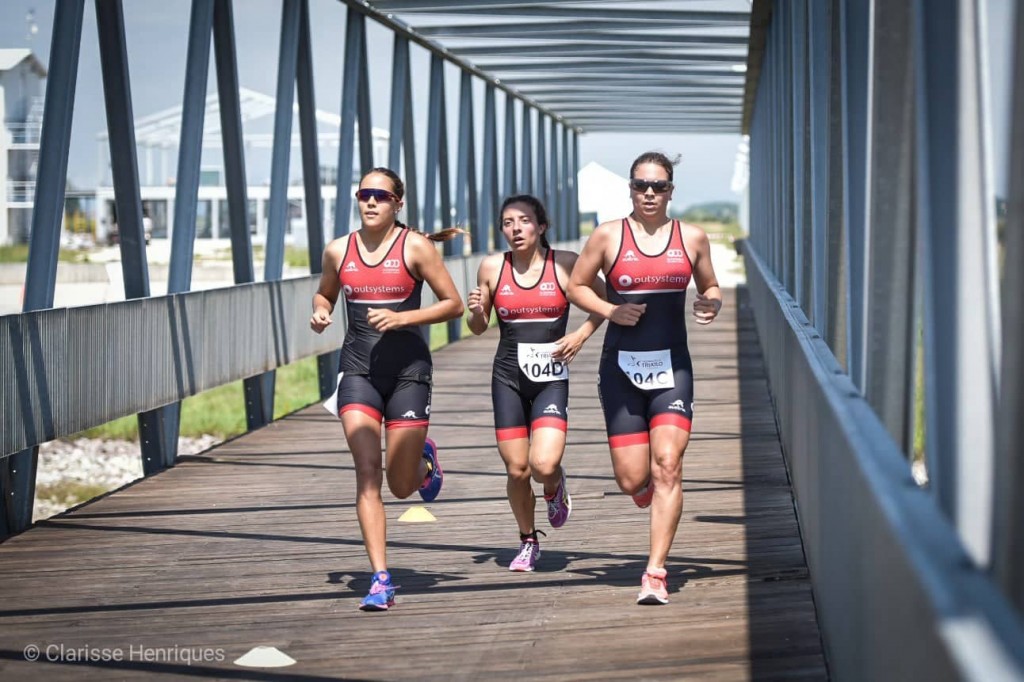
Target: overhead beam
<point>690,18</point>
<point>593,30</point>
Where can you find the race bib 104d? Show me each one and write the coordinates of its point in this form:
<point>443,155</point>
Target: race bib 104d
<point>649,370</point>
<point>536,362</point>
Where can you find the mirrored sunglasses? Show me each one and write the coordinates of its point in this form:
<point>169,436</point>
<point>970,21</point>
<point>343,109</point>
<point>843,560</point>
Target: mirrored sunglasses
<point>659,186</point>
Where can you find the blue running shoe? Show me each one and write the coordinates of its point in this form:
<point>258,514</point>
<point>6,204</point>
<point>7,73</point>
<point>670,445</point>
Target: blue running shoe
<point>382,593</point>
<point>435,477</point>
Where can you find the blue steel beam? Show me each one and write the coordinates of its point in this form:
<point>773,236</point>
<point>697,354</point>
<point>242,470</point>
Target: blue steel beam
<point>158,435</point>
<point>575,210</point>
<point>18,472</point>
<point>526,184</point>
<point>412,202</point>
<point>509,173</point>
<point>540,187</point>
<point>355,32</point>
<point>489,172</point>
<point>856,36</point>
<point>554,179</point>
<point>1008,526</point>
<point>277,209</point>
<point>955,213</point>
<point>568,181</point>
<point>466,208</point>
<point>186,200</point>
<point>327,363</point>
<point>399,79</point>
<point>819,51</point>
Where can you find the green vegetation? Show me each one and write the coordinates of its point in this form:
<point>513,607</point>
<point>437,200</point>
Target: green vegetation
<point>18,253</point>
<point>720,219</point>
<point>221,411</point>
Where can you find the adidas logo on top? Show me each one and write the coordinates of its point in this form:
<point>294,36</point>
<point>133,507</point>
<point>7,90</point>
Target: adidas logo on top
<point>677,405</point>
<point>351,267</point>
<point>629,256</point>
<point>506,290</point>
<point>552,409</point>
<point>409,415</point>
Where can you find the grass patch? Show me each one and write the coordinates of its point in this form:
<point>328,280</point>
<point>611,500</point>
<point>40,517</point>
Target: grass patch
<point>18,253</point>
<point>221,411</point>
<point>68,493</point>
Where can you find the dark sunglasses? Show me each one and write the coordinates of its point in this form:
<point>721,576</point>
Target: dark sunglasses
<point>659,186</point>
<point>377,195</point>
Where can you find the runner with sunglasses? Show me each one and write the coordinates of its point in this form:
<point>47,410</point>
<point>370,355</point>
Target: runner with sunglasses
<point>645,380</point>
<point>530,381</point>
<point>385,362</point>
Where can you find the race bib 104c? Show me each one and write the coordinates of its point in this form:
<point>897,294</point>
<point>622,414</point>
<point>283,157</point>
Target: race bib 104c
<point>536,362</point>
<point>649,370</point>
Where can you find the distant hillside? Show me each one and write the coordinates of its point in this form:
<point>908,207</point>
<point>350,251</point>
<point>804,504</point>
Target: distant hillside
<point>726,212</point>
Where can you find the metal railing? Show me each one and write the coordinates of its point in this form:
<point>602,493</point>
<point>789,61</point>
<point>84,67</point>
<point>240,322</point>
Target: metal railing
<point>872,253</point>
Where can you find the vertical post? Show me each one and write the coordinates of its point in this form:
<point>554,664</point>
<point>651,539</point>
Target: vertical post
<point>857,75</point>
<point>18,471</point>
<point>540,188</point>
<point>526,184</point>
<point>465,174</point>
<point>575,211</point>
<point>412,203</point>
<point>1008,526</point>
<point>509,174</point>
<point>820,51</point>
<point>554,206</point>
<point>326,363</point>
<point>489,229</point>
<point>399,79</point>
<point>890,328</point>
<point>801,174</point>
<point>278,204</point>
<point>568,183</point>
<point>355,28</point>
<point>961,357</point>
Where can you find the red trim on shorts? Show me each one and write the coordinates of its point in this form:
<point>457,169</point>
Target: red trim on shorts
<point>406,423</point>
<point>672,419</point>
<point>548,422</point>
<point>623,439</point>
<point>358,407</point>
<point>512,433</point>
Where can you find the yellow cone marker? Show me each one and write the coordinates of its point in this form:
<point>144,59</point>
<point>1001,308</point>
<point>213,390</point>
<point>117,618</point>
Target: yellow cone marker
<point>265,657</point>
<point>417,515</point>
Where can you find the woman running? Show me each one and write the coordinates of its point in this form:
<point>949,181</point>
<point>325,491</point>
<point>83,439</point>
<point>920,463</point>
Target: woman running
<point>385,361</point>
<point>530,383</point>
<point>645,380</point>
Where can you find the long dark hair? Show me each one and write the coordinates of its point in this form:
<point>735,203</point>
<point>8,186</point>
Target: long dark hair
<point>538,212</point>
<point>654,157</point>
<point>398,188</point>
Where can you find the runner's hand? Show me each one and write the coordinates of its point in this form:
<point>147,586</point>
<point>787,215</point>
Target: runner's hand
<point>706,309</point>
<point>320,321</point>
<point>475,301</point>
<point>568,346</point>
<point>628,314</point>
<point>383,319</point>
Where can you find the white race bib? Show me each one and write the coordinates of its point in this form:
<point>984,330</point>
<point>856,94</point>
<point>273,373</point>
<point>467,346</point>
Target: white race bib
<point>536,363</point>
<point>650,370</point>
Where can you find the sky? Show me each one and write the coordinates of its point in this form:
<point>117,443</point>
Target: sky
<point>157,36</point>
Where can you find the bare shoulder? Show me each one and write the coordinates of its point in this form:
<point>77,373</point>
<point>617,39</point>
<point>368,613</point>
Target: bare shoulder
<point>491,264</point>
<point>335,250</point>
<point>419,246</point>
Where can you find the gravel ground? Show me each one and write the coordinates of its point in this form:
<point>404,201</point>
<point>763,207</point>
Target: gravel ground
<point>72,472</point>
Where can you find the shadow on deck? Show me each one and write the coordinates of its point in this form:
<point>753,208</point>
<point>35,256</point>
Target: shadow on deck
<point>255,543</point>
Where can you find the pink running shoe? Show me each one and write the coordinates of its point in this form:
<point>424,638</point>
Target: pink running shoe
<point>653,587</point>
<point>559,504</point>
<point>642,498</point>
<point>529,553</point>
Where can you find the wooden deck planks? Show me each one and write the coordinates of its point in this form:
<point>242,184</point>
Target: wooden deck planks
<point>255,543</point>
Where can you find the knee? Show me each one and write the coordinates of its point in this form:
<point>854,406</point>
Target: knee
<point>518,473</point>
<point>667,464</point>
<point>543,469</point>
<point>401,488</point>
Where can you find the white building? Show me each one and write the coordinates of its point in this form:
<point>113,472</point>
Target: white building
<point>157,137</point>
<point>21,114</point>
<point>603,193</point>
